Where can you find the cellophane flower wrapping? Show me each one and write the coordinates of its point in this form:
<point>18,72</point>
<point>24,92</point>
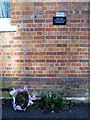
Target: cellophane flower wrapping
<point>21,98</point>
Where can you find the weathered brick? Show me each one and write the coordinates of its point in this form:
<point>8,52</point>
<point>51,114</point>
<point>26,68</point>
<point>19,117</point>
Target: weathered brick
<point>38,4</point>
<point>62,61</point>
<point>50,45</point>
<point>51,53</point>
<point>39,53</point>
<point>84,37</point>
<point>38,37</point>
<point>39,21</point>
<point>40,60</point>
<point>50,3</point>
<point>51,60</point>
<point>61,53</point>
<point>40,75</point>
<point>27,21</point>
<point>40,68</point>
<point>9,75</point>
<point>50,12</point>
<point>51,29</point>
<point>38,45</point>
<point>83,60</point>
<point>61,45</point>
<point>50,37</point>
<point>75,21</point>
<point>72,60</point>
<point>63,29</point>
<point>39,29</point>
<point>51,75</point>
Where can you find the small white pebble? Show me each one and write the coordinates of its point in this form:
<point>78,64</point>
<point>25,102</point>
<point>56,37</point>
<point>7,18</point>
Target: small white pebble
<point>52,112</point>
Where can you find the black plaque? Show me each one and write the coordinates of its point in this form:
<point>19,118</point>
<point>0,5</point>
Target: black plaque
<point>59,20</point>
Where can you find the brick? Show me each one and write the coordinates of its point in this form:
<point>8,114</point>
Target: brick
<point>73,45</point>
<point>62,64</point>
<point>49,21</point>
<point>6,46</point>
<point>26,68</point>
<point>51,53</point>
<point>72,60</point>
<point>74,29</point>
<point>62,3</point>
<point>50,12</point>
<point>84,29</point>
<point>83,60</point>
<point>62,61</point>
<point>39,21</point>
<point>39,53</point>
<point>17,46</point>
<point>84,45</point>
<point>84,68</point>
<point>83,75</point>
<point>27,12</point>
<point>19,60</point>
<point>38,45</point>
<point>9,74</point>
<point>38,37</point>
<point>8,53</point>
<point>51,60</point>
<point>61,45</point>
<point>72,75</point>
<point>40,60</point>
<point>44,8</point>
<point>50,37</point>
<point>51,29</point>
<point>40,75</point>
<point>39,29</point>
<point>20,75</point>
<point>29,53</point>
<point>39,33</point>
<point>85,12</point>
<point>50,45</point>
<point>63,29</point>
<point>29,75</point>
<point>27,21</point>
<point>74,37</point>
<point>50,3</point>
<point>51,75</point>
<point>84,37</point>
<point>29,4</point>
<point>40,71</point>
<point>84,52</point>
<point>38,3</point>
<point>61,53</point>
<point>40,68</point>
<point>28,61</point>
<point>74,21</point>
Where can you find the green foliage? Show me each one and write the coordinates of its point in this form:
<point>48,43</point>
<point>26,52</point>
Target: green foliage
<point>51,102</point>
<point>5,94</point>
<point>22,99</point>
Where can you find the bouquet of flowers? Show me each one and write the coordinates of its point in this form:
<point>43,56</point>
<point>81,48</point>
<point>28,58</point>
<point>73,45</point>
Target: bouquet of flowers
<point>21,98</point>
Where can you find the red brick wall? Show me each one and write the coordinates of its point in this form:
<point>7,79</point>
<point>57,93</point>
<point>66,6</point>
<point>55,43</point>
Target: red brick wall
<point>46,50</point>
<point>40,49</point>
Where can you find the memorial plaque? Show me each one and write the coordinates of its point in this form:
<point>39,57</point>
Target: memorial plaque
<point>59,20</point>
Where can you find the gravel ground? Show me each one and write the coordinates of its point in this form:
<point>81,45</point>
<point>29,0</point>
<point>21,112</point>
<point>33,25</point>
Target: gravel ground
<point>77,111</point>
